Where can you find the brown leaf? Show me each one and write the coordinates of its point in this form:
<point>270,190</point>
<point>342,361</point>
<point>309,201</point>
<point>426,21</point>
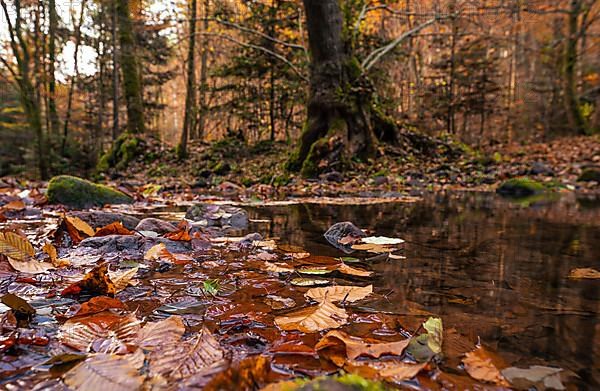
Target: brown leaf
<point>15,246</point>
<point>121,279</point>
<point>98,304</point>
<point>167,331</point>
<point>356,347</point>
<point>312,319</point>
<point>96,283</point>
<point>15,205</point>
<point>75,226</point>
<point>182,233</point>
<point>115,228</point>
<point>397,370</point>
<point>31,266</point>
<point>278,267</point>
<point>343,268</point>
<point>154,252</point>
<point>53,254</point>
<point>482,365</point>
<point>339,293</point>
<point>188,358</point>
<point>107,372</point>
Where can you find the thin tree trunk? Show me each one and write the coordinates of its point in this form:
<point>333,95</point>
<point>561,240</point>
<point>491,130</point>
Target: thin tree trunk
<point>73,78</point>
<point>191,73</point>
<point>52,27</point>
<point>130,70</point>
<point>115,74</point>
<point>576,119</point>
<point>203,74</point>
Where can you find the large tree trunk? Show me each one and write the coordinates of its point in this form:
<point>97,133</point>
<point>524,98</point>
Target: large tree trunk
<point>190,106</point>
<point>132,82</point>
<point>340,108</point>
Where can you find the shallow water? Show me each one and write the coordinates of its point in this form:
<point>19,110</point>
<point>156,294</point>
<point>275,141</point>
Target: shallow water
<point>490,268</point>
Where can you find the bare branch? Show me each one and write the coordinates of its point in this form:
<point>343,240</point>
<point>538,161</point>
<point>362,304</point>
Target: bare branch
<point>377,54</point>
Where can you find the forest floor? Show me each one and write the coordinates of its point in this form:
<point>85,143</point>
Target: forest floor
<point>232,169</point>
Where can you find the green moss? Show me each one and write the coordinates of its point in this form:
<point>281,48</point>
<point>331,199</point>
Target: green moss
<point>520,187</point>
<point>221,168</point>
<point>80,193</point>
<point>310,168</point>
<point>124,150</point>
<point>353,68</point>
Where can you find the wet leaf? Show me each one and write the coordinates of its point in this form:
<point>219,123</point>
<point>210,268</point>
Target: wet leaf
<point>356,347</point>
<point>211,287</point>
<point>372,248</point>
<point>315,270</point>
<point>279,303</point>
<point>154,252</point>
<point>121,279</point>
<point>15,246</point>
<point>98,304</point>
<point>278,267</point>
<point>353,271</point>
<point>312,319</point>
<point>340,292</point>
<point>427,345</point>
<point>584,273</point>
<point>538,377</point>
<point>16,205</point>
<point>397,370</point>
<point>187,358</point>
<point>115,228</point>
<point>53,254</point>
<point>167,331</point>
<point>22,310</point>
<point>96,283</point>
<point>480,365</point>
<point>182,234</point>
<point>104,332</point>
<point>106,372</point>
<point>295,252</point>
<point>308,281</point>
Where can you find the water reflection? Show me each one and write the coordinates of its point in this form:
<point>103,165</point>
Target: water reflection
<point>489,267</point>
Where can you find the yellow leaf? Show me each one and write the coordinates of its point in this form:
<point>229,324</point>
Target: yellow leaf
<point>312,319</point>
<point>343,268</point>
<point>154,252</point>
<point>80,225</point>
<point>15,246</point>
<point>584,273</point>
<point>122,279</point>
<point>480,365</point>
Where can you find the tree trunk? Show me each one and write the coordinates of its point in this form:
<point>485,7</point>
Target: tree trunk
<point>132,83</point>
<point>115,75</point>
<point>339,124</point>
<point>203,74</point>
<point>52,27</point>
<point>190,107</point>
<point>575,117</point>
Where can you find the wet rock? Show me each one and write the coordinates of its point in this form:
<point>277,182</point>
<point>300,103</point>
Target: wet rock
<point>200,183</point>
<point>155,225</point>
<point>333,176</point>
<point>218,216</point>
<point>113,243</point>
<point>80,193</point>
<point>520,187</point>
<point>590,174</point>
<point>380,180</point>
<point>174,246</point>
<point>341,230</point>
<point>98,218</point>
<point>539,168</point>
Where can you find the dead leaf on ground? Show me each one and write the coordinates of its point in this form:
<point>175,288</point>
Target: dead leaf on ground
<point>536,376</point>
<point>340,292</point>
<point>96,283</point>
<point>115,228</point>
<point>278,267</point>
<point>481,365</point>
<point>53,254</point>
<point>123,278</point>
<point>312,319</point>
<point>295,252</point>
<point>356,347</point>
<point>96,305</point>
<point>15,246</point>
<point>182,234</point>
<point>308,281</point>
<point>16,205</point>
<point>183,359</point>
<point>31,266</point>
<point>76,227</point>
<point>372,248</point>
<point>584,273</point>
<point>353,271</point>
<point>107,372</point>
<point>166,331</point>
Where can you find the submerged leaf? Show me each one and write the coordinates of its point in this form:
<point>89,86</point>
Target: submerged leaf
<point>480,365</point>
<point>312,319</point>
<point>104,332</point>
<point>166,331</point>
<point>339,293</point>
<point>356,347</point>
<point>122,279</point>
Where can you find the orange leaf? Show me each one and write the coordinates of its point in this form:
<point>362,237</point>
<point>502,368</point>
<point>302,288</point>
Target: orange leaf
<point>115,228</point>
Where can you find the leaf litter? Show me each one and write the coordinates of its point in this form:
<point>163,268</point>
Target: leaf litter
<point>256,304</point>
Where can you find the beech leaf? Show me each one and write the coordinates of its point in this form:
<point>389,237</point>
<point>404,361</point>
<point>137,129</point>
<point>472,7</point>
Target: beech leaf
<point>312,319</point>
<point>356,347</point>
<point>340,292</point>
<point>107,372</point>
<point>166,331</point>
<point>480,365</point>
<point>15,246</point>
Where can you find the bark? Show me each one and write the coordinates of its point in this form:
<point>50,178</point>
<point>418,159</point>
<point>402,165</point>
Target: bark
<point>115,75</point>
<point>339,125</point>
<point>52,27</point>
<point>203,74</point>
<point>190,107</point>
<point>132,83</point>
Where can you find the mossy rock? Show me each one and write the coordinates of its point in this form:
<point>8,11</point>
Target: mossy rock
<point>520,187</point>
<point>80,193</point>
<point>590,175</point>
<point>341,382</point>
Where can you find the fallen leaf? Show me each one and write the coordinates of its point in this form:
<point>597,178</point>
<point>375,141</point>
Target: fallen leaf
<point>103,332</point>
<point>98,304</point>
<point>356,347</point>
<point>115,228</point>
<point>278,267</point>
<point>15,246</point>
<point>22,310</point>
<point>79,225</point>
<point>480,365</point>
<point>427,345</point>
<point>154,252</point>
<point>96,283</point>
<point>536,376</point>
<point>312,319</point>
<point>106,372</point>
<point>166,331</point>
<point>340,292</point>
<point>295,252</point>
<point>308,281</point>
<point>397,370</point>
<point>31,266</point>
<point>53,254</point>
<point>121,279</point>
<point>352,271</point>
<point>315,270</point>
<point>183,359</point>
<point>372,248</point>
<point>15,205</point>
<point>279,303</point>
<point>182,234</point>
<point>584,273</point>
